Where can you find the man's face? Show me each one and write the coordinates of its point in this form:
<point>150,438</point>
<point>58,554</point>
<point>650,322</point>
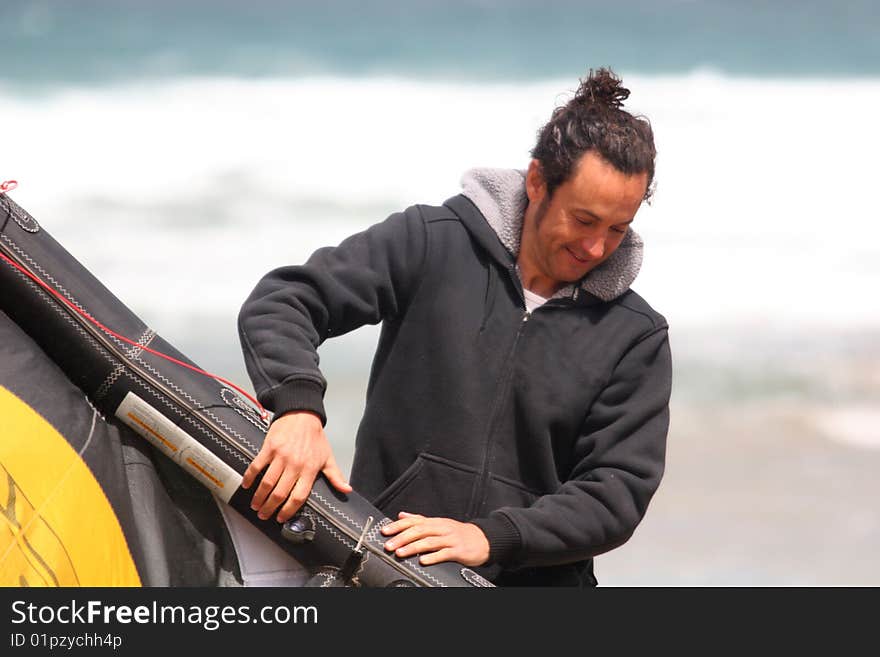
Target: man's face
<point>566,236</point>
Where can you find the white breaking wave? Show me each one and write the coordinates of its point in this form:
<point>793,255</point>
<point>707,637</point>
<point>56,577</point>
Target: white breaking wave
<point>179,195</point>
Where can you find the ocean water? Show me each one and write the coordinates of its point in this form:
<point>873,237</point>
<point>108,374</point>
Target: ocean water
<point>182,150</point>
<point>103,41</point>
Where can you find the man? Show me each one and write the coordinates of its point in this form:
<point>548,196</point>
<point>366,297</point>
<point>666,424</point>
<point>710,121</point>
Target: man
<point>517,407</point>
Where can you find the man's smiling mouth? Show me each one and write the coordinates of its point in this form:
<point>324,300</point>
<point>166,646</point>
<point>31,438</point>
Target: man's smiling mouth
<point>585,261</point>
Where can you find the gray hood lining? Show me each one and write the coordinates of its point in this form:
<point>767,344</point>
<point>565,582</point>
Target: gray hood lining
<point>500,195</point>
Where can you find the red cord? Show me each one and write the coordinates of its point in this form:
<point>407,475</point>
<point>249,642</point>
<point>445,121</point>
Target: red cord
<point>7,186</point>
<point>263,413</point>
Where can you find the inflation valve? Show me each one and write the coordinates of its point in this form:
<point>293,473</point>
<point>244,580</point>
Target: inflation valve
<point>299,529</point>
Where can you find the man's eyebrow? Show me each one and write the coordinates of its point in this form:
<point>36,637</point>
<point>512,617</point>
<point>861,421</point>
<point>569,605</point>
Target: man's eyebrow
<point>597,217</point>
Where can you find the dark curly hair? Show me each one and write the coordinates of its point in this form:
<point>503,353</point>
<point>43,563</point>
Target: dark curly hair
<point>595,120</point>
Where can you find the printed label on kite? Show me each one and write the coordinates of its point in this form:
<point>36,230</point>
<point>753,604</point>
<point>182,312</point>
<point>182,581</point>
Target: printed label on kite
<point>179,446</point>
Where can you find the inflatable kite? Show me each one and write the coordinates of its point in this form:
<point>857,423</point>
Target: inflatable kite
<point>100,419</point>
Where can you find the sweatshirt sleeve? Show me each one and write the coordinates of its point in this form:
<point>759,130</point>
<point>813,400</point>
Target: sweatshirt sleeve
<point>620,456</point>
<point>367,278</point>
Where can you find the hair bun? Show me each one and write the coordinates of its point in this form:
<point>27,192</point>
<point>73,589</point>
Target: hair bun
<point>603,88</point>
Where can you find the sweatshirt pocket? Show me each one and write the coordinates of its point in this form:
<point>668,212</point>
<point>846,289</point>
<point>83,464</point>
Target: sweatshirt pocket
<point>432,486</point>
<point>503,491</point>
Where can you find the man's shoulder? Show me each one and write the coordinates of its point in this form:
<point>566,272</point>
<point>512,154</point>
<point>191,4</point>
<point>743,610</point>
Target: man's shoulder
<point>633,302</point>
<point>433,213</point>
<point>453,219</point>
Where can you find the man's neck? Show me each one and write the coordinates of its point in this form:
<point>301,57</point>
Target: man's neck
<point>532,279</point>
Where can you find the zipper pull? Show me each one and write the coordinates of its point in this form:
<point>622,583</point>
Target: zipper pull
<point>526,316</point>
<point>367,525</point>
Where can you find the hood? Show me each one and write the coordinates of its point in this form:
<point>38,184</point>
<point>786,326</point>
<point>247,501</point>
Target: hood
<point>500,195</point>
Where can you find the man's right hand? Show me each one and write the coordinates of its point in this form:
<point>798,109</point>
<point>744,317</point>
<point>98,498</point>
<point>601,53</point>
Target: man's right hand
<point>296,449</point>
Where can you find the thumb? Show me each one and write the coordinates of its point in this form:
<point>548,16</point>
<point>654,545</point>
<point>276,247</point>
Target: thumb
<point>334,475</point>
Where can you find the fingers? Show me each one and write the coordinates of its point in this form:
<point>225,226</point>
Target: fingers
<point>412,528</point>
<point>436,540</point>
<point>278,494</point>
<point>405,520</point>
<point>255,468</point>
<point>335,477</point>
<point>427,544</point>
<point>267,483</point>
<point>298,497</point>
<point>294,451</point>
<point>269,450</point>
<point>443,554</point>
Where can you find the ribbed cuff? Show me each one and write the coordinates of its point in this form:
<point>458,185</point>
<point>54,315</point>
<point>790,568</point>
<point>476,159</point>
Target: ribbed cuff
<point>296,395</point>
<point>503,536</point>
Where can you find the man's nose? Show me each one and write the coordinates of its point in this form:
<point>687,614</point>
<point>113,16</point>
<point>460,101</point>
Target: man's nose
<point>594,246</point>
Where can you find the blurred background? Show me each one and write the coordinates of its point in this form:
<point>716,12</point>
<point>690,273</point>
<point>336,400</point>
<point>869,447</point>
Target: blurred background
<point>182,149</point>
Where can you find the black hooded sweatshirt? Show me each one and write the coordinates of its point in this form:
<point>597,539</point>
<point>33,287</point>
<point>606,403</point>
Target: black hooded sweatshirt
<point>545,429</point>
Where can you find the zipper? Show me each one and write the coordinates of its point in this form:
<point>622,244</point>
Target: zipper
<point>480,486</point>
<point>401,567</point>
<point>518,286</point>
<point>480,489</point>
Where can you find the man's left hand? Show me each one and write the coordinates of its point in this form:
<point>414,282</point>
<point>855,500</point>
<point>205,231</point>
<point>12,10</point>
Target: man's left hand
<point>436,540</point>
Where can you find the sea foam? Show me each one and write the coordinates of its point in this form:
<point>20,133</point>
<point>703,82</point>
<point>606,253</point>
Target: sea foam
<point>180,193</point>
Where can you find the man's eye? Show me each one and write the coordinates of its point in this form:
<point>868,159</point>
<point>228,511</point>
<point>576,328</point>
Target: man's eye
<point>619,230</point>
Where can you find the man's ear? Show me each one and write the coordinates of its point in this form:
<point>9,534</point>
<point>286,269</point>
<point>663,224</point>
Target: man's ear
<point>536,187</point>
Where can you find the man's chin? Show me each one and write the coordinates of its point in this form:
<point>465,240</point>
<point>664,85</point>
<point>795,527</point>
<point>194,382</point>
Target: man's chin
<point>575,275</point>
